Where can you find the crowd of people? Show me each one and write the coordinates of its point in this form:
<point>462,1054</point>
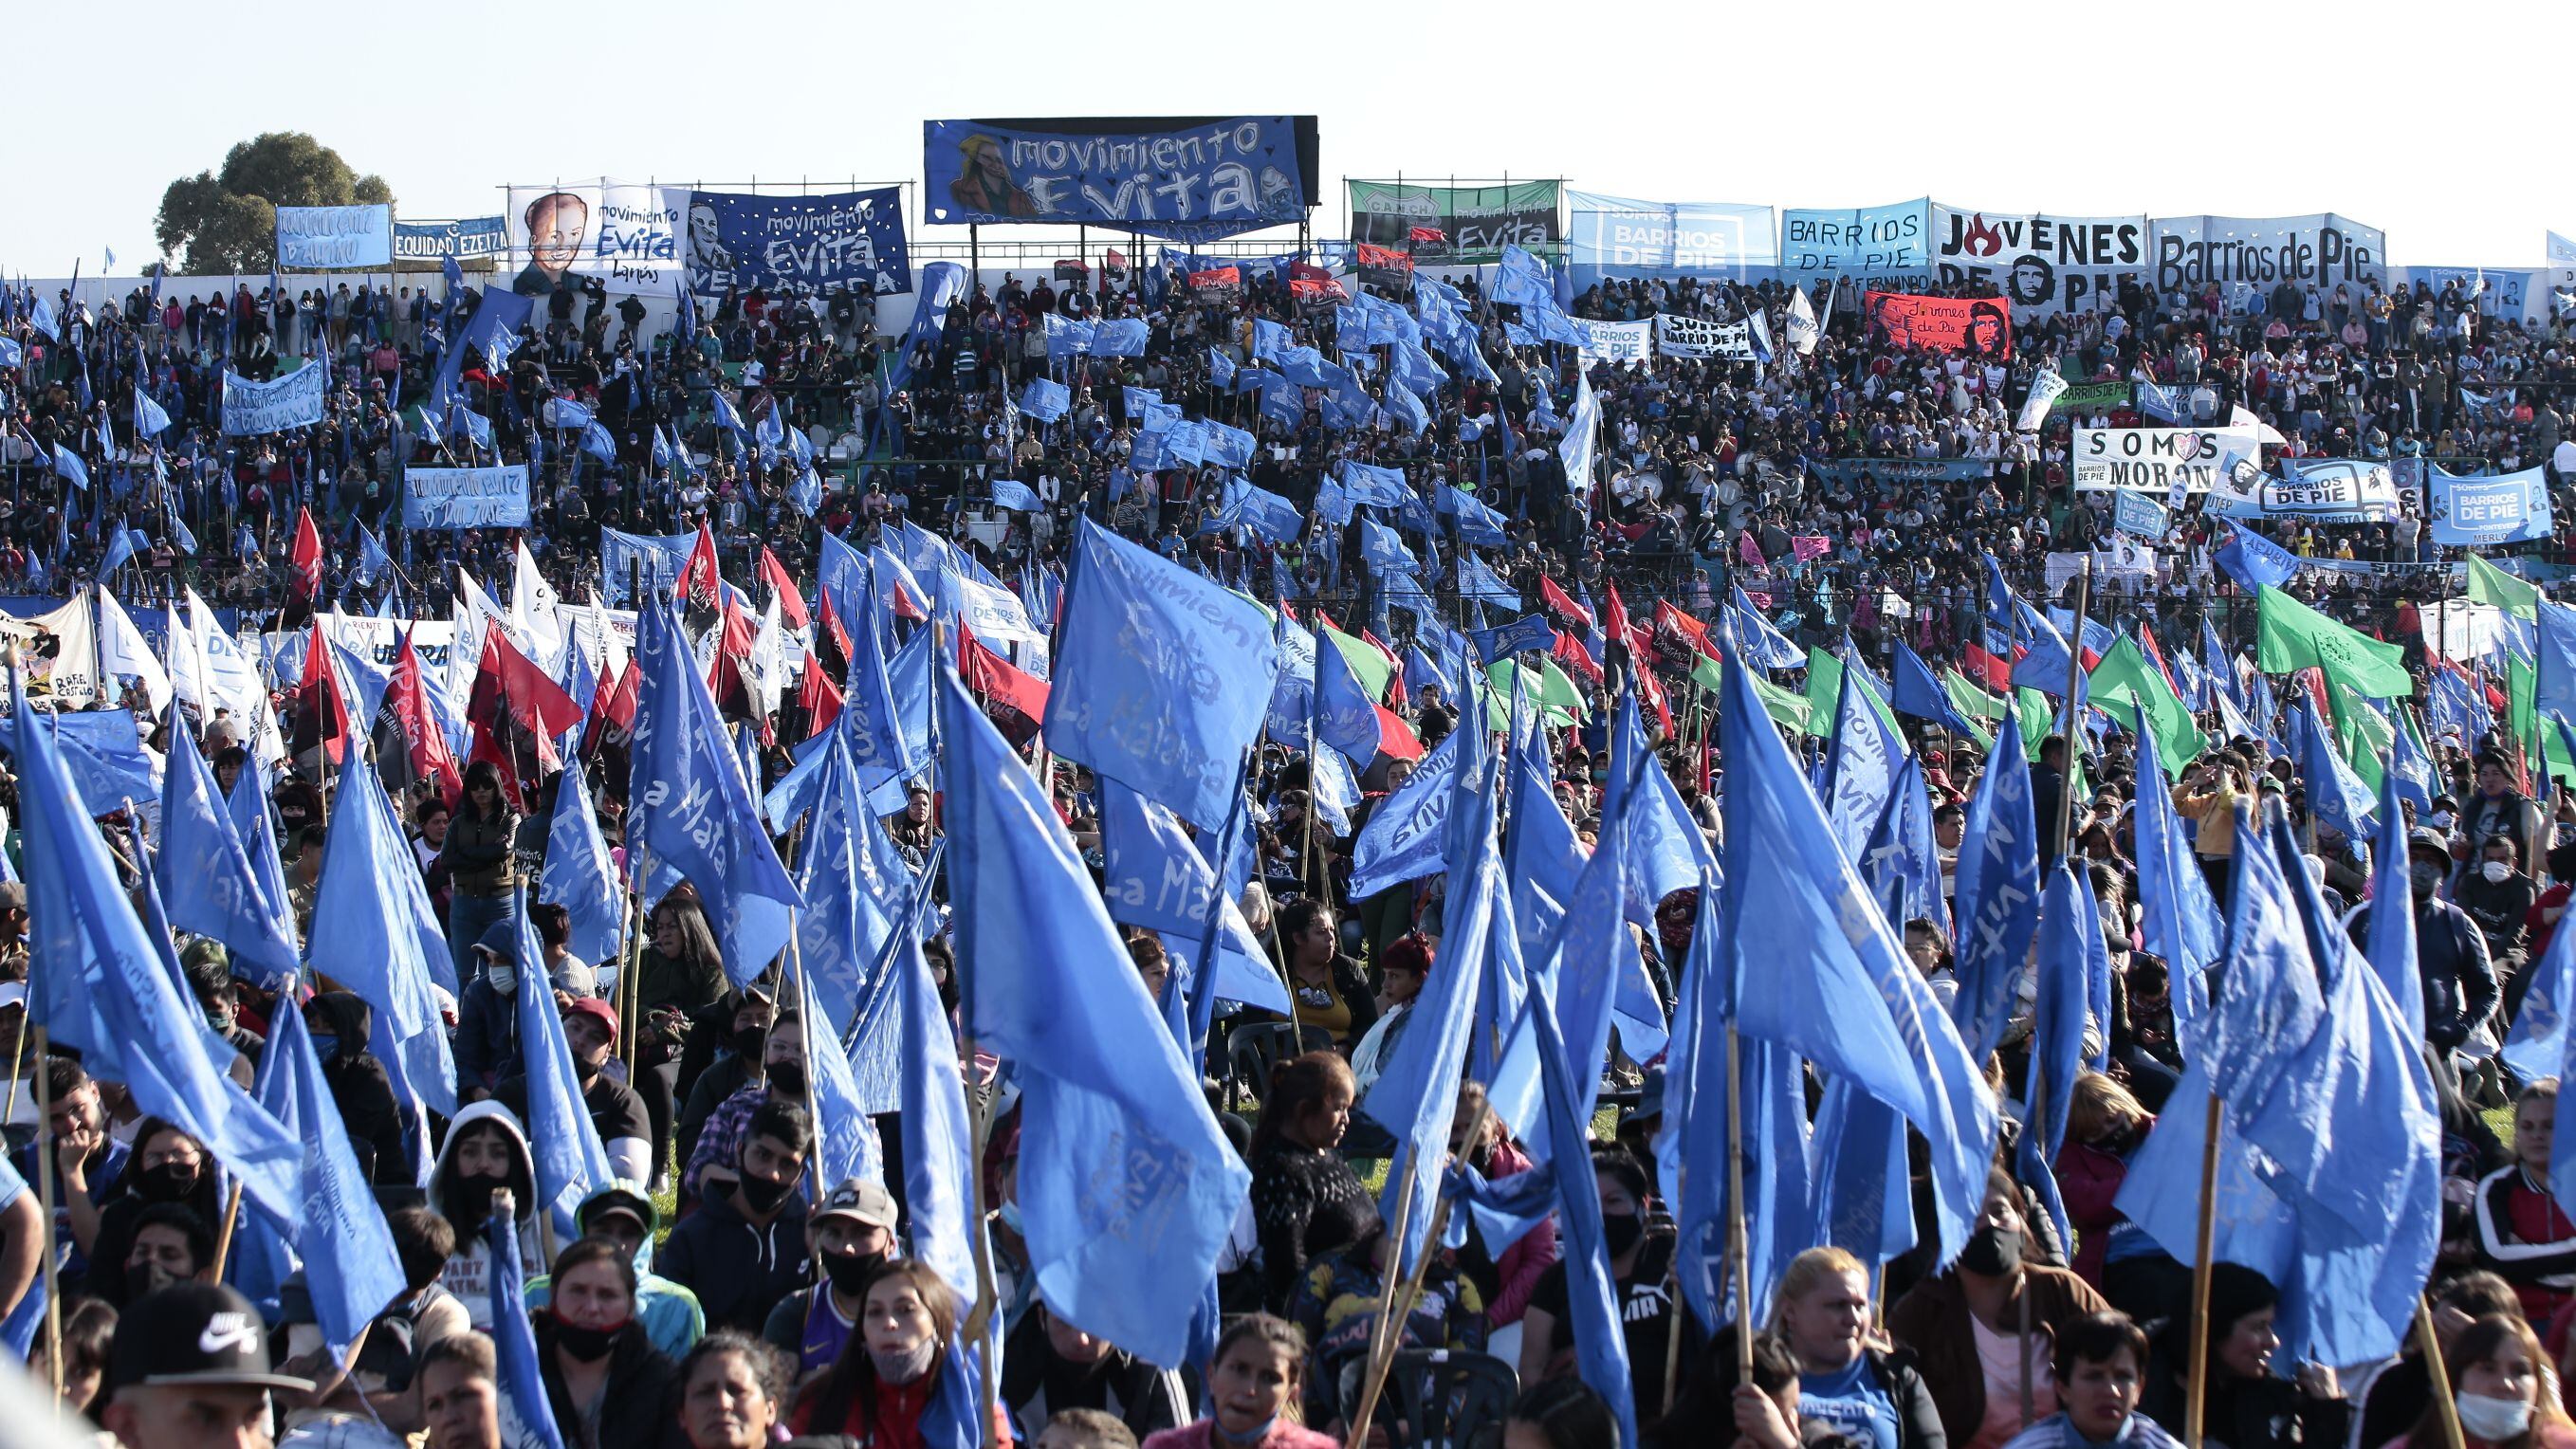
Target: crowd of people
<point>719,1292</point>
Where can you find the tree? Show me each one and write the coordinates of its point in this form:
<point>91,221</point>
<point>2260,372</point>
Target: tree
<point>226,221</point>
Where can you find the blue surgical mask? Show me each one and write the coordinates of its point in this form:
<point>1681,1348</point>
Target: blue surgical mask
<point>326,1045</point>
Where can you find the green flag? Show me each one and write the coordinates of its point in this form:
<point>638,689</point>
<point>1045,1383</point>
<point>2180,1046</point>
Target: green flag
<point>1825,693</point>
<point>1968,699</point>
<point>2126,677</point>
<point>2523,718</point>
<point>2491,585</point>
<point>2037,717</point>
<point>2291,636</point>
<point>1782,705</point>
<point>1367,665</point>
<point>2363,735</point>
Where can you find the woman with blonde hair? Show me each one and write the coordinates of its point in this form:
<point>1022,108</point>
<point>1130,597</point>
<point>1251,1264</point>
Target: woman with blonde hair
<point>1848,1376</point>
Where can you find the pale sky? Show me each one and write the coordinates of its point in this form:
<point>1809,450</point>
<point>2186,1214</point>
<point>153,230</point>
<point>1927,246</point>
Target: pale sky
<point>2441,125</point>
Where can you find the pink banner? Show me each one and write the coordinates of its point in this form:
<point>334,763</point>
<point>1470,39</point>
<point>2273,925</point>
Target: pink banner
<point>1807,546</point>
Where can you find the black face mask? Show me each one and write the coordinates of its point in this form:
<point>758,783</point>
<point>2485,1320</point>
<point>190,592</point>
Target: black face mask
<point>748,1041</point>
<point>474,1197</point>
<point>589,1345</point>
<point>139,1280</point>
<point>787,1078</point>
<point>1992,1251</point>
<point>850,1272</point>
<point>165,1182</point>
<point>761,1195</point>
<point>1620,1231</point>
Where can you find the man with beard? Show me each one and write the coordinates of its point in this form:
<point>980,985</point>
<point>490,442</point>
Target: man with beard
<point>720,1142</point>
<point>486,1150</point>
<point>744,1248</point>
<point>590,1029</point>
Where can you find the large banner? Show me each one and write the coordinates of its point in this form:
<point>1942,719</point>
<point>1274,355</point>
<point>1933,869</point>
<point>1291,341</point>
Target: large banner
<point>1617,341</point>
<point>1871,244</point>
<point>2155,459</point>
<point>2044,264</point>
<point>798,246</point>
<point>1627,237</point>
<point>1459,224</point>
<point>1187,178</point>
<point>2320,490</point>
<point>2484,512</point>
<point>466,497</point>
<point>335,236</point>
<point>474,236</point>
<point>1979,325</point>
<point>292,401</point>
<point>1851,472</point>
<point>2259,253</point>
<point>655,561</point>
<point>625,233</point>
<point>1680,336</point>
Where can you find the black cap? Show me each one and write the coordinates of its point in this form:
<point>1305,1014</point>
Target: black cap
<point>194,1333</point>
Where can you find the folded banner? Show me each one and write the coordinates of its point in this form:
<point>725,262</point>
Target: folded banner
<point>2320,490</point>
<point>466,497</point>
<point>1851,472</point>
<point>1942,324</point>
<point>1617,341</point>
<point>799,246</point>
<point>2483,512</point>
<point>476,236</point>
<point>2156,459</point>
<point>292,401</point>
<point>2042,264</point>
<point>1198,178</point>
<point>1680,336</point>
<point>335,236</point>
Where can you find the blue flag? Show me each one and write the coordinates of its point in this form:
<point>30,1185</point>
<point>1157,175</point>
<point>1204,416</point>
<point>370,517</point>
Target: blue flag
<point>372,922</point>
<point>938,1146</point>
<point>1345,716</point>
<point>205,874</point>
<point>151,420</point>
<point>1153,876</point>
<point>571,1162</point>
<point>1861,765</point>
<point>1821,973</point>
<point>2253,561</point>
<point>1161,677</point>
<point>2410,766</point>
<point>697,815</point>
<point>527,1417</point>
<point>132,1021</point>
<point>337,1227</point>
<point>579,875</point>
<point>2070,938</point>
<point>1901,861</point>
<point>2391,946</point>
<point>1998,894</point>
<point>1401,840</point>
<point>69,465</point>
<point>849,903</point>
<point>255,826</point>
<point>1128,1190</point>
<point>1600,1340</point>
<point>2180,921</point>
<point>1919,692</point>
<point>2335,794</point>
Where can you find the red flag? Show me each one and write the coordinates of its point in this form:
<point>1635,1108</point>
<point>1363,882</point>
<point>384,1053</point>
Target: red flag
<point>828,630</point>
<point>997,679</point>
<point>1557,599</point>
<point>321,716</point>
<point>791,604</point>
<point>305,559</point>
<point>424,743</point>
<point>1420,234</point>
<point>1394,737</point>
<point>1569,651</point>
<point>1651,690</point>
<point>1692,630</point>
<point>612,710</point>
<point>2147,641</point>
<point>728,678</point>
<point>1986,669</point>
<point>700,584</point>
<point>820,697</point>
<point>508,678</point>
<point>1614,615</point>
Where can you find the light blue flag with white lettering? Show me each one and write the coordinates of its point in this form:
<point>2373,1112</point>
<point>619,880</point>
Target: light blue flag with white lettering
<point>1997,900</point>
<point>527,1416</point>
<point>256,828</point>
<point>2335,794</point>
<point>1401,841</point>
<point>1127,1189</point>
<point>369,913</point>
<point>1162,678</point>
<point>1600,1342</point>
<point>579,874</point>
<point>2554,690</point>
<point>571,1162</point>
<point>1154,877</point>
<point>2410,765</point>
<point>938,1147</point>
<point>1821,973</point>
<point>338,1228</point>
<point>1901,862</point>
<point>1861,765</point>
<point>2180,920</point>
<point>695,812</point>
<point>205,875</point>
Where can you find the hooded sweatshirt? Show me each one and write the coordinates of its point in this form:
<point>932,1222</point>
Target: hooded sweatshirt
<point>468,1273</point>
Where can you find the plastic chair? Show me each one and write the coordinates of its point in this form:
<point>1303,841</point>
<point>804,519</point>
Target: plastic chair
<point>1252,1050</point>
<point>1449,1398</point>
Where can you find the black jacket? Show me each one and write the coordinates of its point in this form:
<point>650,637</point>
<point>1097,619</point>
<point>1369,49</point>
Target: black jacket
<point>2451,957</point>
<point>642,1404</point>
<point>738,1270</point>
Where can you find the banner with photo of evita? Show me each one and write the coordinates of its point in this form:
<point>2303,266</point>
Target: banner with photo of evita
<point>2043,263</point>
<point>626,234</point>
<point>798,246</point>
<point>2314,490</point>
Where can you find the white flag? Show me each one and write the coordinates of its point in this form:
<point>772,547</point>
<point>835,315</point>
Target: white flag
<point>2044,389</point>
<point>1802,327</point>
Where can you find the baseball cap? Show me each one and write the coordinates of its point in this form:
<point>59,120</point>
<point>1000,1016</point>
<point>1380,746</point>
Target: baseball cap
<point>859,1198</point>
<point>620,1196</point>
<point>194,1333</point>
<point>598,1010</point>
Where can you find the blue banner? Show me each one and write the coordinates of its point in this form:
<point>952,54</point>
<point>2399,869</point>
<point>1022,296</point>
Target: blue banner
<point>335,236</point>
<point>2483,512</point>
<point>1627,237</point>
<point>1849,471</point>
<point>292,401</point>
<point>1878,243</point>
<point>2136,512</point>
<point>799,246</point>
<point>660,560</point>
<point>475,236</point>
<point>1209,179</point>
<point>466,497</point>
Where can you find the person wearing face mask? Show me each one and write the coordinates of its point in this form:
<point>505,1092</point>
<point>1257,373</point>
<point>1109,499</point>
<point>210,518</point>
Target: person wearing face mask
<point>782,1080</point>
<point>852,1235</point>
<point>1641,1281</point>
<point>2501,1389</point>
<point>623,1214</point>
<point>167,1166</point>
<point>606,1383</point>
<point>590,1030</point>
<point>723,1056</point>
<point>2246,1404</point>
<point>1050,1366</point>
<point>888,1373</point>
<point>2398,1394</point>
<point>1965,1324</point>
<point>2499,897</point>
<point>2450,951</point>
<point>486,1150</point>
<point>340,1025</point>
<point>744,1248</point>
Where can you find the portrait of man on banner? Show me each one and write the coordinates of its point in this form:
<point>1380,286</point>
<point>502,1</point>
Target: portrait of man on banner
<point>1979,326</point>
<point>557,222</point>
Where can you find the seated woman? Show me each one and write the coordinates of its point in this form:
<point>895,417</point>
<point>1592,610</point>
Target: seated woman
<point>2500,1387</point>
<point>1255,1382</point>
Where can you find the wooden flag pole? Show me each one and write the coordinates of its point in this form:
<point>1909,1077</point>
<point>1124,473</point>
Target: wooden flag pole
<point>1737,1251</point>
<point>2437,1369</point>
<point>1383,1312</point>
<point>232,1220</point>
<point>45,1191</point>
<point>2196,1390</point>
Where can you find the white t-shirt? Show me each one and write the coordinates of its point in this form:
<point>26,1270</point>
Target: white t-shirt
<point>2003,1383</point>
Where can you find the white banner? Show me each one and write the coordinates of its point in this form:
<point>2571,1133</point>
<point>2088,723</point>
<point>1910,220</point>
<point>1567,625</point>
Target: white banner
<point>1617,341</point>
<point>625,233</point>
<point>2260,253</point>
<point>2043,264</point>
<point>292,401</point>
<point>2320,490</point>
<point>2156,459</point>
<point>2044,388</point>
<point>1679,336</point>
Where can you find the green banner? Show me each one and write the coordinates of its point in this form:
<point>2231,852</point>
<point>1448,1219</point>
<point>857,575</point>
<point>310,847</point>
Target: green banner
<point>1460,224</point>
<point>2091,397</point>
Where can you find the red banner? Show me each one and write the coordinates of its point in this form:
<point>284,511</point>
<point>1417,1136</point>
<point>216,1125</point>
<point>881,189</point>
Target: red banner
<point>1220,279</point>
<point>1980,325</point>
<point>1387,258</point>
